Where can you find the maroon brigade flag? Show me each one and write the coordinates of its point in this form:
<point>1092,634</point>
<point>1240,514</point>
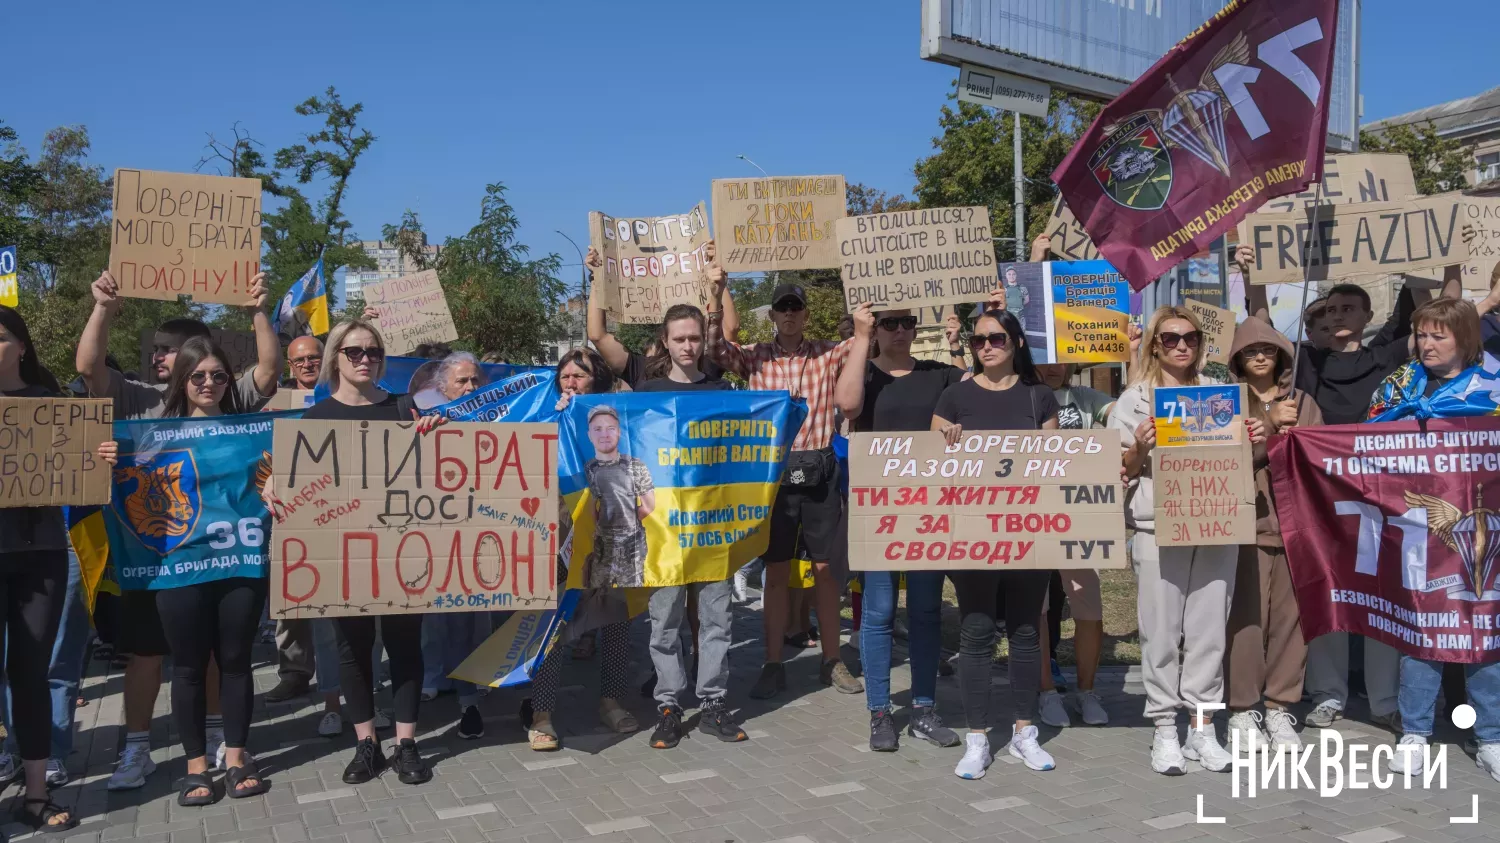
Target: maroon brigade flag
<point>1235,114</point>
<point>1392,531</point>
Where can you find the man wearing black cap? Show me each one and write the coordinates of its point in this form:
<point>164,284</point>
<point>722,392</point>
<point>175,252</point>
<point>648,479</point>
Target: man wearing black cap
<point>808,501</point>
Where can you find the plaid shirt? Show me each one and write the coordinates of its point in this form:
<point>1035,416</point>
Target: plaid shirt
<point>811,372</point>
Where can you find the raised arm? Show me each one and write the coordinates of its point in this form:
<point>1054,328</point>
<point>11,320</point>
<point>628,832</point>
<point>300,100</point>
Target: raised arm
<point>93,346</point>
<point>849,392</point>
<point>1255,296</point>
<point>1039,248</point>
<point>267,344</point>
<point>721,348</point>
<point>616,355</point>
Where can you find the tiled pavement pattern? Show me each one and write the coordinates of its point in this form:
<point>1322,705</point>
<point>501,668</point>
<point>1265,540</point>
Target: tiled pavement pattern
<point>805,777</point>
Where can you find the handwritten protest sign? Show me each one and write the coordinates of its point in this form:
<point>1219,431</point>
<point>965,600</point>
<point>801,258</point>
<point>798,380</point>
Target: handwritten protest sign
<point>777,223</point>
<point>412,311</point>
<point>47,450</point>
<point>379,519</point>
<point>1362,177</point>
<point>1483,214</point>
<point>1349,241</point>
<point>175,234</point>
<point>1067,238</point>
<point>650,263</point>
<point>289,398</point>
<point>1001,499</point>
<point>1205,495</point>
<point>1199,415</point>
<point>915,258</point>
<point>1218,330</point>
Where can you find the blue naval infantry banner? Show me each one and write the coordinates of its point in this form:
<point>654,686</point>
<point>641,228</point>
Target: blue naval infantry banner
<point>527,396</point>
<point>187,506</point>
<point>671,488</point>
<point>414,374</point>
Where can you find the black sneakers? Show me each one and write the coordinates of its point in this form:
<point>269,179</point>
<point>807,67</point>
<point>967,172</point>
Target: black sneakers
<point>772,681</point>
<point>883,736</point>
<point>408,763</point>
<point>716,720</point>
<point>668,728</point>
<point>368,763</point>
<point>471,724</point>
<point>926,725</point>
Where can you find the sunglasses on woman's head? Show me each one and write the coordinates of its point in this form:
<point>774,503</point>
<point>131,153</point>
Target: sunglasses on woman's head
<point>995,340</point>
<point>1170,340</point>
<point>220,378</point>
<point>891,323</point>
<point>355,354</point>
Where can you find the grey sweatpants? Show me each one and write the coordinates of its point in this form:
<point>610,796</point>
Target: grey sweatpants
<point>1328,672</point>
<point>1183,595</point>
<point>667,608</point>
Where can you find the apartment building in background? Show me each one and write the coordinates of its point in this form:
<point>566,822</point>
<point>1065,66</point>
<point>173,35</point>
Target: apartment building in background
<point>1473,120</point>
<point>389,263</point>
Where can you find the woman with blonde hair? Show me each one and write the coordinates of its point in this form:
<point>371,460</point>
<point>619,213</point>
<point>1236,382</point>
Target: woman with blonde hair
<point>1179,588</point>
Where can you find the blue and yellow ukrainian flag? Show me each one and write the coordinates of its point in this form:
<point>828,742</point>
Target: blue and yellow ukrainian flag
<point>309,297</point>
<point>90,542</point>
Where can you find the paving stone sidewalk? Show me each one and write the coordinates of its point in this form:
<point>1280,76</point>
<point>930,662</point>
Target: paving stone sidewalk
<point>805,777</point>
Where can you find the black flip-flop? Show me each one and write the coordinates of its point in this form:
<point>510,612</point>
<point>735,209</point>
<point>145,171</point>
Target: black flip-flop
<point>237,775</point>
<point>196,781</point>
<point>39,821</point>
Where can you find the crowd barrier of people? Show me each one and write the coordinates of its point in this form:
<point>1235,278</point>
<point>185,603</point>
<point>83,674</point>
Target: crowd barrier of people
<point>1217,624</point>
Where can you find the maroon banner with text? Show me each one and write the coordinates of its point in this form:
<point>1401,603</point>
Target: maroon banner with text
<point>1392,531</point>
<point>1234,115</point>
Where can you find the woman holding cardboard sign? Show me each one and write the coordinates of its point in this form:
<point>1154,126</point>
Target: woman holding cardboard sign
<point>352,369</point>
<point>1179,587</point>
<point>1004,394</point>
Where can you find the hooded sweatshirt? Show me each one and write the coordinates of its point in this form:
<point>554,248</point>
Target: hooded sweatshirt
<point>1251,332</point>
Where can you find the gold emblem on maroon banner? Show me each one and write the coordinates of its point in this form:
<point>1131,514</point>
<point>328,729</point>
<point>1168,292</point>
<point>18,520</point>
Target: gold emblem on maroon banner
<point>1472,535</point>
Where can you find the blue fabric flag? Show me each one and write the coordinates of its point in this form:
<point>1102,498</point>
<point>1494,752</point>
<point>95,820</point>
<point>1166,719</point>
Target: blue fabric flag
<point>400,372</point>
<point>1475,392</point>
<point>187,506</point>
<point>304,308</point>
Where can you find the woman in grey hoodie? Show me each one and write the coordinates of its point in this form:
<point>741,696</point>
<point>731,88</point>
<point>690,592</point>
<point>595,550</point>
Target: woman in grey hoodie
<point>1179,588</point>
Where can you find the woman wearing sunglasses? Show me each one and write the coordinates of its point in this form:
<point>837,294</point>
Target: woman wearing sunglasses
<point>1004,394</point>
<point>1180,588</point>
<point>353,365</point>
<point>894,392</point>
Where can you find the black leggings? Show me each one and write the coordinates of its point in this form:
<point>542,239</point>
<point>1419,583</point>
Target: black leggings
<point>979,596</point>
<point>402,635</point>
<point>31,600</point>
<point>1056,597</point>
<point>218,618</point>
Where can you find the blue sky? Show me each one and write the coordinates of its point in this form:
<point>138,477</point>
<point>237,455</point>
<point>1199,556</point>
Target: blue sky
<point>630,108</point>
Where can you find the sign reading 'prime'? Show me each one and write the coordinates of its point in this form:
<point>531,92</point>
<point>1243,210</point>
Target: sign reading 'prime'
<point>998,499</point>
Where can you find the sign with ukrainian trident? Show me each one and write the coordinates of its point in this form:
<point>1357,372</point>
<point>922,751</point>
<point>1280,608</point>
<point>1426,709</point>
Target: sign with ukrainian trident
<point>1234,115</point>
<point>1392,531</point>
<point>1133,165</point>
<point>187,502</point>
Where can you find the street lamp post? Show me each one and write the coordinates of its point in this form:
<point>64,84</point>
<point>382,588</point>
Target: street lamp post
<point>583,282</point>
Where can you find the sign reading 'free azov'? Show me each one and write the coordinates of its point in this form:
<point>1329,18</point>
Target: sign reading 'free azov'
<point>999,499</point>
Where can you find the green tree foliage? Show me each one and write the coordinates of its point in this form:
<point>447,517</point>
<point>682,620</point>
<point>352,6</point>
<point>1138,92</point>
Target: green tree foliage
<point>825,305</point>
<point>501,300</point>
<point>975,161</point>
<point>1439,164</point>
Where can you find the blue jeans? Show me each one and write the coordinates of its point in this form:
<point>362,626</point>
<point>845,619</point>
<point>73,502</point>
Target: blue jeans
<point>66,670</point>
<point>924,602</point>
<point>448,639</point>
<point>1420,681</point>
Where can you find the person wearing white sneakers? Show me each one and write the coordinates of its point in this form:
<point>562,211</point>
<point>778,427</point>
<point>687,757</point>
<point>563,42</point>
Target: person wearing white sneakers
<point>1181,589</point>
<point>1004,394</point>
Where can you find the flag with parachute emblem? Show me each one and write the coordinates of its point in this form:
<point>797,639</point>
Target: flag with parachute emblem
<point>1234,115</point>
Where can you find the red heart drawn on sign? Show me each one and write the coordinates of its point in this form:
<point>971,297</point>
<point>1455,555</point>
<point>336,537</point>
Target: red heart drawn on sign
<point>531,505</point>
<point>449,475</point>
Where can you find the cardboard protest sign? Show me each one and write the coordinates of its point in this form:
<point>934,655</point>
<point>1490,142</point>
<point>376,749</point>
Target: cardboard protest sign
<point>916,258</point>
<point>239,346</point>
<point>1218,330</point>
<point>290,398</point>
<point>1199,415</point>
<point>1070,311</point>
<point>379,519</point>
<point>47,450</point>
<point>1347,179</point>
<point>1363,239</point>
<point>777,223</point>
<point>1205,495</point>
<point>1483,213</point>
<point>1020,499</point>
<point>1067,239</point>
<point>412,311</point>
<point>650,263</point>
<point>179,234</point>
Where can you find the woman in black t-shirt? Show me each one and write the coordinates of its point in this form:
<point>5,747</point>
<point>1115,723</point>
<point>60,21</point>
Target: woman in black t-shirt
<point>1005,394</point>
<point>352,369</point>
<point>893,392</point>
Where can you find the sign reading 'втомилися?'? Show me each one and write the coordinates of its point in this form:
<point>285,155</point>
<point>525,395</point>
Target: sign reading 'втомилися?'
<point>379,519</point>
<point>914,258</point>
<point>999,499</point>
